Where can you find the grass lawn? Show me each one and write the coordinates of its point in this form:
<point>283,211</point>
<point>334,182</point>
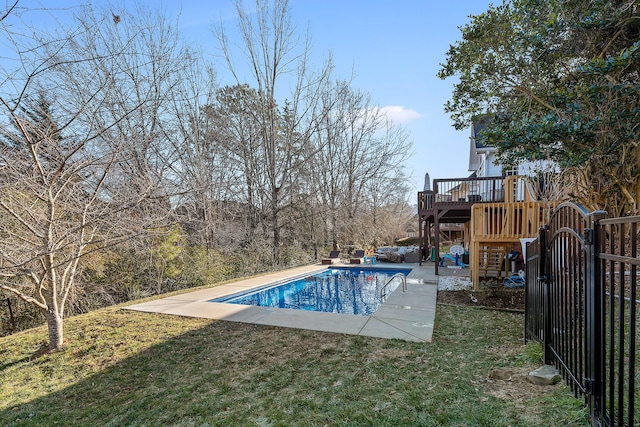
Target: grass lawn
<point>123,368</point>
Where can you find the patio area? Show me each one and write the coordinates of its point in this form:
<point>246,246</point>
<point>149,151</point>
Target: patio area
<point>407,315</point>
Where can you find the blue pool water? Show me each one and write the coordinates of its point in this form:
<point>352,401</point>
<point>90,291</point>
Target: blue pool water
<point>336,290</point>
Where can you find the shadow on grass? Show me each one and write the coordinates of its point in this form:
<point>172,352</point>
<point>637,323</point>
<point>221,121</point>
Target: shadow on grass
<point>220,374</point>
<point>44,349</point>
<point>226,373</point>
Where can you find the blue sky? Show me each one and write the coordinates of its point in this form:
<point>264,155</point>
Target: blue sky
<point>395,48</point>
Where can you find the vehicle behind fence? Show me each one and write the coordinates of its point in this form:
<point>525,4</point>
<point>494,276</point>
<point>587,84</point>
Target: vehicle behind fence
<point>582,276</point>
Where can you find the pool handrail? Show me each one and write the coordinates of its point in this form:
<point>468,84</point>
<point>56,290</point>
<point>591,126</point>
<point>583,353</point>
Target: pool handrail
<point>404,283</point>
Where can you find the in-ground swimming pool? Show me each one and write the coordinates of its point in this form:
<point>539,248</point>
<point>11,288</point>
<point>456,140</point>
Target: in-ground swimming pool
<point>337,290</point>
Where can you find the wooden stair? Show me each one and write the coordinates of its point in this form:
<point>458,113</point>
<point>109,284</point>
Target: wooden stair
<point>492,261</point>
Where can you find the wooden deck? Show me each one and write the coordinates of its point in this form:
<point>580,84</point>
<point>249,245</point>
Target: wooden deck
<point>497,230</point>
<point>496,212</point>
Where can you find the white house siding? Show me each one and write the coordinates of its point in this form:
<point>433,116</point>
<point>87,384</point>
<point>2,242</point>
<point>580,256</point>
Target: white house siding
<point>494,169</point>
<point>488,167</point>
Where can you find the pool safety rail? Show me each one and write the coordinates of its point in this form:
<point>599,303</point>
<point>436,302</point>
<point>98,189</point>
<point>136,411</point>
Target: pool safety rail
<point>582,303</point>
<point>402,276</point>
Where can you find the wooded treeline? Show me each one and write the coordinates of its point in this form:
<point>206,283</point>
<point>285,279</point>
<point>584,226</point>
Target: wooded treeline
<point>127,169</point>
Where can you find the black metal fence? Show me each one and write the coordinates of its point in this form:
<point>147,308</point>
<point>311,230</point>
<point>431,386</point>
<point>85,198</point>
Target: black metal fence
<point>582,277</point>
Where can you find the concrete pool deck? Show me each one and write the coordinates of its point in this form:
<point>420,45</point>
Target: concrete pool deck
<point>407,315</point>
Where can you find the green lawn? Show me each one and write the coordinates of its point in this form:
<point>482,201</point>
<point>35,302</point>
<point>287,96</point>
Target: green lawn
<point>123,368</point>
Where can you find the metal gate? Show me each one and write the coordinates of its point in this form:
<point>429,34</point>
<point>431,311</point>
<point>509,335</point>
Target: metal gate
<point>582,277</point>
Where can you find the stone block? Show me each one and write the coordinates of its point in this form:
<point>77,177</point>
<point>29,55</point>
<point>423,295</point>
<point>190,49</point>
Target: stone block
<point>545,375</point>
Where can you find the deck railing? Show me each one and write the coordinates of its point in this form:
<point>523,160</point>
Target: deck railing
<point>506,221</point>
<point>468,191</point>
<point>489,189</point>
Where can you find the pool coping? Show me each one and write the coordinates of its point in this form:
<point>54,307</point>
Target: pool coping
<point>407,315</point>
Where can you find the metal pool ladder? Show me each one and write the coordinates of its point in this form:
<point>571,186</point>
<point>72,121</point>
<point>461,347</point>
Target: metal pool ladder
<point>404,283</point>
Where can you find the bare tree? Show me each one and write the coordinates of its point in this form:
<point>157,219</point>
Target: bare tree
<point>77,172</point>
<point>277,66</point>
<point>235,129</point>
<point>358,163</point>
<point>195,159</point>
<point>550,184</point>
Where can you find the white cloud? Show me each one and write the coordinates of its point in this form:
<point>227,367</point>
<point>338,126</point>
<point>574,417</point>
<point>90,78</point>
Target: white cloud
<point>399,114</point>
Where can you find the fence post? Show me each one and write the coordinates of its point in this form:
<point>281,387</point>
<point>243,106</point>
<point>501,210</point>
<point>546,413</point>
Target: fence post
<point>544,278</point>
<point>594,321</point>
<point>420,240</point>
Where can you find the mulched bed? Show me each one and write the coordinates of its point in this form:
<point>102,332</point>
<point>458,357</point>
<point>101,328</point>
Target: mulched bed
<point>494,298</point>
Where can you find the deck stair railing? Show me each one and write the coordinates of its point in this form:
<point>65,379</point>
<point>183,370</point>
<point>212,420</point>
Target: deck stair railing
<point>402,277</point>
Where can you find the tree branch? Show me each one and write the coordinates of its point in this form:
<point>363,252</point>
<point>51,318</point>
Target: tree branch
<point>24,296</point>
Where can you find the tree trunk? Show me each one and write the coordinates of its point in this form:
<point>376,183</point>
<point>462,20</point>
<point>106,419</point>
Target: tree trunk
<point>54,323</point>
<point>276,228</point>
